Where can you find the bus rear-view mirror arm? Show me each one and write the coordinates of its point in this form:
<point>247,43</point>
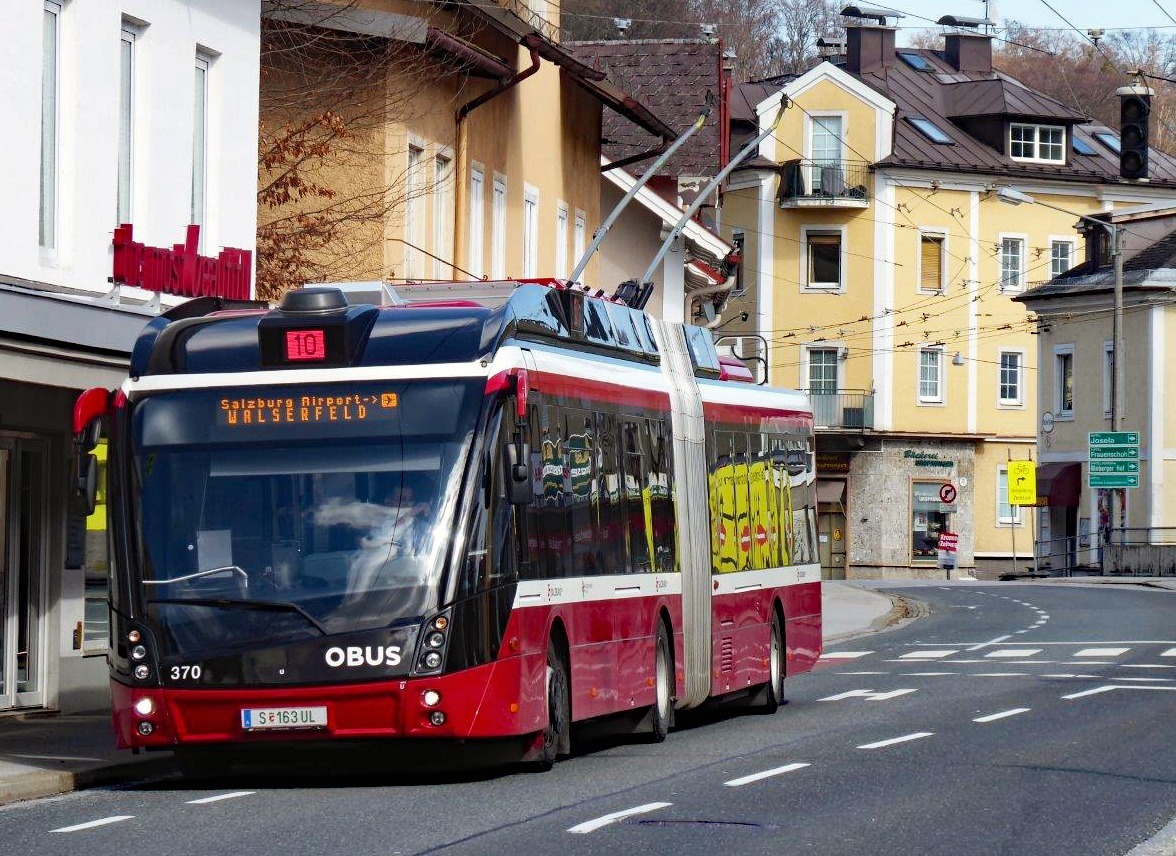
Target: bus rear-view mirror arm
<point>518,471</point>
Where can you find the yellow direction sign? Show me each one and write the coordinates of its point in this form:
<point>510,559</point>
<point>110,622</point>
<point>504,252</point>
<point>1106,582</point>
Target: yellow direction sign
<point>1022,483</point>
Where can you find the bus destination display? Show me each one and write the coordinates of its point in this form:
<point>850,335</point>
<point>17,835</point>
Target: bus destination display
<point>306,345</point>
<point>256,411</point>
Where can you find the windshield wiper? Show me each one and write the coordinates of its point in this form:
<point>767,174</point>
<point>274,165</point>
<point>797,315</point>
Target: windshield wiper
<point>199,574</point>
<point>275,605</point>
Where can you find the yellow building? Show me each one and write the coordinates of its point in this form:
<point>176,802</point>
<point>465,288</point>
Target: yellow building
<point>884,272</point>
<point>468,147</point>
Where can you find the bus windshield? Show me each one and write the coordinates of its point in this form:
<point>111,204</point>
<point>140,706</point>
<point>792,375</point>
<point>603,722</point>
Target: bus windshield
<point>286,514</point>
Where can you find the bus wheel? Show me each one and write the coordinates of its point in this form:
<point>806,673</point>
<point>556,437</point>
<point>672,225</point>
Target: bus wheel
<point>774,692</point>
<point>661,715</point>
<point>557,733</point>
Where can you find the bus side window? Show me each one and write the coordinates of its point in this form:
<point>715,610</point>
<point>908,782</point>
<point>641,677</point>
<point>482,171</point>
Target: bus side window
<point>636,495</point>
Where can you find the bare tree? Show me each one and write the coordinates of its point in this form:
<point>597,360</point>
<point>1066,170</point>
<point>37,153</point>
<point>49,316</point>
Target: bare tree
<point>801,23</point>
<point>331,176</point>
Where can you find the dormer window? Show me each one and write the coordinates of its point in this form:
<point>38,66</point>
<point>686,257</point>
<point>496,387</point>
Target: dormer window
<point>1039,143</point>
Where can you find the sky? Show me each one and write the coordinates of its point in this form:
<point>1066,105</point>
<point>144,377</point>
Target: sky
<point>1084,14</point>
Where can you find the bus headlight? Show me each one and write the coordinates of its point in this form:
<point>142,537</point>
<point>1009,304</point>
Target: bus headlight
<point>431,698</point>
<point>145,728</point>
<point>437,717</point>
<point>139,653</point>
<point>145,706</point>
<point>435,639</point>
<point>142,671</point>
<point>431,660</point>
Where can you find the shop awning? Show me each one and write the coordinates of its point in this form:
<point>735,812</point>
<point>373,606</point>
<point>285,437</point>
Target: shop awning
<point>1059,484</point>
<point>830,491</point>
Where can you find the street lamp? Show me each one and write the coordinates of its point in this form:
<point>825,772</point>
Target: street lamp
<point>1016,197</point>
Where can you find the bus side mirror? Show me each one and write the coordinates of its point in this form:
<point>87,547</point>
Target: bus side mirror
<point>519,486</point>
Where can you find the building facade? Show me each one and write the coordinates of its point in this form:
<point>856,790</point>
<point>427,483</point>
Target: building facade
<point>135,114</point>
<point>885,270</point>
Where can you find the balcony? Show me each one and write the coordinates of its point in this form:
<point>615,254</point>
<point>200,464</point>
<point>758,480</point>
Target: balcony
<point>844,410</point>
<point>807,183</point>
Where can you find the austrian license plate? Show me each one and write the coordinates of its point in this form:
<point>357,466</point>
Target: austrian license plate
<point>258,718</point>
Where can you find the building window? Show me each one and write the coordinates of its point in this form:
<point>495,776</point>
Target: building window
<point>932,249</point>
<point>443,216</point>
<point>1064,381</point>
<point>579,235</point>
<point>530,231</point>
<point>414,214</point>
<point>930,376</point>
<point>929,517</point>
<point>826,140</point>
<point>498,228</point>
<point>738,241</point>
<point>1108,385</point>
<point>1061,255</point>
<point>1037,143</point>
<point>50,38</point>
<point>1007,515</point>
<point>476,260</point>
<point>1012,263</point>
<point>199,142</point>
<point>561,241</point>
<point>823,262</point>
<point>1010,378</point>
<point>126,122</point>
<point>822,371</point>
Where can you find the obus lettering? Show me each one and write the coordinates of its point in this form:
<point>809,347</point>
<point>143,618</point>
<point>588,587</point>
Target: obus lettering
<point>371,655</point>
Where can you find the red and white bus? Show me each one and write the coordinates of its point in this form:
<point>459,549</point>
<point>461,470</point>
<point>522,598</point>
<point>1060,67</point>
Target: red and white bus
<point>457,519</point>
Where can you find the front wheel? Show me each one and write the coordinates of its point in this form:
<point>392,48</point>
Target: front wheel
<point>774,691</point>
<point>557,733</point>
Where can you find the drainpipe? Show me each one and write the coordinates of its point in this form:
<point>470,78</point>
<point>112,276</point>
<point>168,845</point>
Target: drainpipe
<point>461,171</point>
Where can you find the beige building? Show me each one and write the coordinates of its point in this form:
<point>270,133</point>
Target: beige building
<point>1076,351</point>
<point>885,273</point>
<point>485,161</point>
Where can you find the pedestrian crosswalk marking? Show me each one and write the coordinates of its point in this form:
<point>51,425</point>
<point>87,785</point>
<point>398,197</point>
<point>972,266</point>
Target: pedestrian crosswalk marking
<point>1171,652</point>
<point>1102,652</point>
<point>928,655</point>
<point>1014,652</point>
<point>845,655</point>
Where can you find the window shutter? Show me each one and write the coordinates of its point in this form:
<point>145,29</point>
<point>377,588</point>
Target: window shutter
<point>931,276</point>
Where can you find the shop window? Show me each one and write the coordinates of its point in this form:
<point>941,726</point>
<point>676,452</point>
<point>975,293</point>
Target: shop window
<point>929,517</point>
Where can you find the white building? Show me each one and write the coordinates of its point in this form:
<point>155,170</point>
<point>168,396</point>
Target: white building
<point>140,112</point>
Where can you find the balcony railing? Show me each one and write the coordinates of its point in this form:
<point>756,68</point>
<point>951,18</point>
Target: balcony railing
<point>847,409</point>
<point>839,183</point>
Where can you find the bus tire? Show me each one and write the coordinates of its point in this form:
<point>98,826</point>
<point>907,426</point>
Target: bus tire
<point>661,714</point>
<point>557,732</point>
<point>774,691</point>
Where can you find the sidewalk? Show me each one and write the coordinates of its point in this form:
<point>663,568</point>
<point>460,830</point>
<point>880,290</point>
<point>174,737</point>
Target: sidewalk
<point>42,754</point>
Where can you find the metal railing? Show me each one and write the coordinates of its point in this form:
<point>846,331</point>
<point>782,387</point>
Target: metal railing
<point>808,182</point>
<point>1140,551</point>
<point>845,409</point>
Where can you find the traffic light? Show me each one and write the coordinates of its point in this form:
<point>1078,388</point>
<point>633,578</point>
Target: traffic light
<point>1134,107</point>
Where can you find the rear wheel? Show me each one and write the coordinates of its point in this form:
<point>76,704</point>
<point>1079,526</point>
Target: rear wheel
<point>557,733</point>
<point>774,691</point>
<point>661,715</point>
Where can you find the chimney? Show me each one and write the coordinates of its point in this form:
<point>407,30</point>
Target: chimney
<point>869,43</point>
<point>967,49</point>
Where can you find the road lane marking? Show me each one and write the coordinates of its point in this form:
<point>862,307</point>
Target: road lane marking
<point>993,642</point>
<point>219,797</point>
<point>1171,652</point>
<point>1090,692</point>
<point>893,740</point>
<point>928,674</point>
<point>868,695</point>
<point>1069,675</point>
<point>766,774</point>
<point>1014,652</point>
<point>1146,666</point>
<point>928,655</point>
<point>48,757</point>
<point>593,825</point>
<point>861,673</point>
<point>993,717</point>
<point>1148,680</point>
<point>1102,652</point>
<point>93,823</point>
<point>1002,675</point>
<point>844,655</point>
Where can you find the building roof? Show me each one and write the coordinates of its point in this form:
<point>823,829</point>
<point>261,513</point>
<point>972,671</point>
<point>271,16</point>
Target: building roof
<point>674,78</point>
<point>956,101</point>
<point>1153,268</point>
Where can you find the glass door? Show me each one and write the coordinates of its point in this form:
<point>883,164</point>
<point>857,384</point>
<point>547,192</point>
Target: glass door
<point>23,475</point>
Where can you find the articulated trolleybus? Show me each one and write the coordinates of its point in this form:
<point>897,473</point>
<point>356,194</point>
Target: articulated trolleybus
<point>459,519</point>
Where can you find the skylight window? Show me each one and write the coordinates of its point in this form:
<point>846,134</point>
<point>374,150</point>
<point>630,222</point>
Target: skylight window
<point>1108,139</point>
<point>930,130</point>
<point>1081,147</point>
<point>915,61</point>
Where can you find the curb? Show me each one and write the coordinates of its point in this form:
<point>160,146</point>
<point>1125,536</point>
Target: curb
<point>903,610</point>
<point>37,785</point>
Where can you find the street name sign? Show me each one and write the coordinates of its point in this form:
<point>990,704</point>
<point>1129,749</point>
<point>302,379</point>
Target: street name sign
<point>1112,459</point>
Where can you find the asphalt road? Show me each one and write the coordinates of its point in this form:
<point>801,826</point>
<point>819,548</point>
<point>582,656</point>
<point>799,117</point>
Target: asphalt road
<point>1014,719</point>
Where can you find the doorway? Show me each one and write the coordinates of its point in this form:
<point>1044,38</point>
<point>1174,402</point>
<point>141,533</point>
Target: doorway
<point>23,512</point>
<point>831,533</point>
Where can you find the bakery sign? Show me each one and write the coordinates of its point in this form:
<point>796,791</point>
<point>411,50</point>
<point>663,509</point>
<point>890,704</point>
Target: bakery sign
<point>927,459</point>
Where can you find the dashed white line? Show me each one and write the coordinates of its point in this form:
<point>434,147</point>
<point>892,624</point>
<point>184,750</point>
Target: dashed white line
<point>1001,675</point>
<point>1146,680</point>
<point>1171,652</point>
<point>1014,652</point>
<point>766,774</point>
<point>993,717</point>
<point>593,825</point>
<point>1146,666</point>
<point>1101,652</point>
<point>861,673</point>
<point>893,740</point>
<point>93,823</point>
<point>928,674</point>
<point>219,797</point>
<point>1090,692</point>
